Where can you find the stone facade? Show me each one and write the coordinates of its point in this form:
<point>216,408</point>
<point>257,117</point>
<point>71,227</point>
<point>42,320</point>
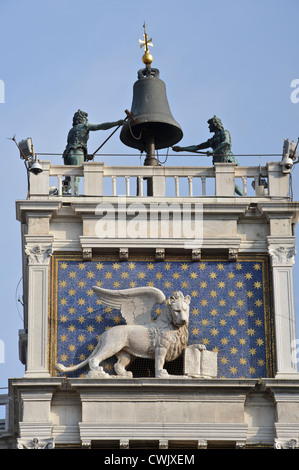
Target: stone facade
<point>195,409</point>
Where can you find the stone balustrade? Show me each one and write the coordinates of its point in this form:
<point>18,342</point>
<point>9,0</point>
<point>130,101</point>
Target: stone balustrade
<point>97,179</point>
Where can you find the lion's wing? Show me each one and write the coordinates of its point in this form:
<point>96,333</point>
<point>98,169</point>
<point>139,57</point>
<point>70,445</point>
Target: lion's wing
<point>135,304</point>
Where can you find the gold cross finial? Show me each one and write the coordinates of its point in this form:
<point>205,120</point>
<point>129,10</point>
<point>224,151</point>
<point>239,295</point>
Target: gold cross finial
<point>147,58</point>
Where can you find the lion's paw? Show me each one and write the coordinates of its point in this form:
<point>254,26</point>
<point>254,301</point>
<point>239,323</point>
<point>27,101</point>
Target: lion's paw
<point>162,374</point>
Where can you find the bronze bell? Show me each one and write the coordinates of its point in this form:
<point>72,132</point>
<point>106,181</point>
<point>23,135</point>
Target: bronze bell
<point>152,116</point>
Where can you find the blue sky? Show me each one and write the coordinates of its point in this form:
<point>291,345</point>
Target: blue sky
<point>235,59</point>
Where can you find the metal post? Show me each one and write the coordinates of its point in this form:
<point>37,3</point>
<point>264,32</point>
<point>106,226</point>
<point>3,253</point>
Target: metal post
<point>150,160</point>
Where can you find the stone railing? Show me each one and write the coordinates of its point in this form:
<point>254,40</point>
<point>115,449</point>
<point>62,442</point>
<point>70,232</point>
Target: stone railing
<point>97,179</point>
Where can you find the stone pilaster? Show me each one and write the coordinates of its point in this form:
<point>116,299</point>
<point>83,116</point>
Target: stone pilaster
<point>38,254</point>
<point>282,253</point>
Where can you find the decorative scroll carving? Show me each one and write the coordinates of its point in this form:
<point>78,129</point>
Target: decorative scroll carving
<point>291,444</point>
<point>38,254</point>
<point>36,444</point>
<point>282,255</point>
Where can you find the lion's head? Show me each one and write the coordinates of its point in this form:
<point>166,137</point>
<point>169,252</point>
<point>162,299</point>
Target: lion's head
<point>179,308</point>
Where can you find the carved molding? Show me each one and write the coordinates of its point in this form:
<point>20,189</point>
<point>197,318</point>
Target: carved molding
<point>291,444</point>
<point>87,253</point>
<point>38,254</point>
<point>160,254</point>
<point>36,443</point>
<point>123,254</point>
<point>282,255</point>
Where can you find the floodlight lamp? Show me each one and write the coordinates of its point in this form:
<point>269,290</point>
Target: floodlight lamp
<point>26,148</point>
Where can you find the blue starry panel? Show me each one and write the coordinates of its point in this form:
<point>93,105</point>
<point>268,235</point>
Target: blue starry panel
<point>228,309</point>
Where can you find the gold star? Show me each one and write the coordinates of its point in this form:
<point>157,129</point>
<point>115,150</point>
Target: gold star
<point>63,301</point>
<point>90,275</point>
<point>214,332</point>
<point>81,266</point>
<point>72,274</point>
<point>81,338</point>
<point>184,266</point>
<point>72,292</point>
<point>220,267</point>
<point>195,311</point>
<point>213,275</point>
<point>214,312</point>
<point>116,266</point>
<point>72,310</point>
<point>202,266</point>
<point>72,348</point>
<point>213,294</point>
<point>231,275</point>
<point>232,312</point>
<point>131,266</point>
<point>90,329</point>
<point>63,265</point>
<point>63,338</point>
<point>195,331</point>
<point>81,301</point>
<point>258,303</point>
<point>72,328</point>
<point>63,318</point>
<point>141,275</point>
<point>257,267</point>
<point>99,266</point>
<point>150,266</point>
<point>260,342</point>
<point>222,302</point>
<point>203,284</point>
<point>248,276</point>
<point>81,283</point>
<point>233,350</point>
<point>62,284</point>
<point>159,275</point>
<point>250,313</point>
<point>221,284</point>
<point>90,309</point>
<point>257,285</point>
